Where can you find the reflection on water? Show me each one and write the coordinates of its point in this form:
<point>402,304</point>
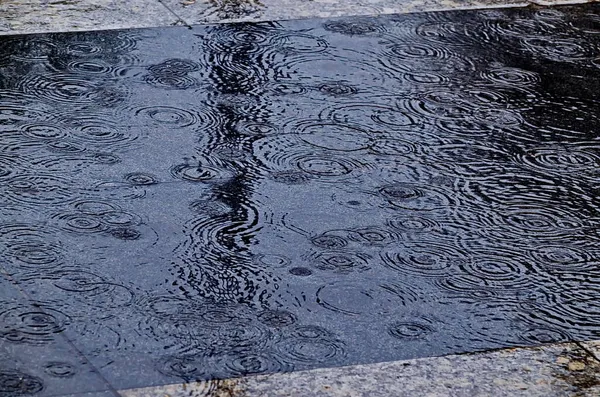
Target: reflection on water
<point>253,198</point>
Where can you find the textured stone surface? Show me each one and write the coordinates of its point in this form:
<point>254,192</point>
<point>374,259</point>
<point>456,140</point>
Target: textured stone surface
<point>593,347</point>
<point>93,394</point>
<point>330,207</point>
<point>121,312</point>
<point>33,363</point>
<point>554,370</point>
<point>203,11</point>
<point>30,16</point>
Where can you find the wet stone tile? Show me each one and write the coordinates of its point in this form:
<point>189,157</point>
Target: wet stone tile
<point>51,369</point>
<point>35,358</point>
<point>207,203</point>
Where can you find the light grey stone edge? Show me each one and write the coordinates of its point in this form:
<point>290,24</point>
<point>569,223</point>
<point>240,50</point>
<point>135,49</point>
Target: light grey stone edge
<point>34,16</point>
<point>195,12</point>
<point>567,369</point>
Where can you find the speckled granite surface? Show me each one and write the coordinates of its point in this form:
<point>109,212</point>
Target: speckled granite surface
<point>593,347</point>
<point>217,11</point>
<point>202,11</point>
<point>31,16</point>
<point>553,370</point>
<point>28,16</point>
<point>567,369</point>
<point>93,394</point>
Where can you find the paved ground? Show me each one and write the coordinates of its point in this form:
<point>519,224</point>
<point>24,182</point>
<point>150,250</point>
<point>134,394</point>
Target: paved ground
<point>556,370</point>
<point>29,16</point>
<point>108,291</point>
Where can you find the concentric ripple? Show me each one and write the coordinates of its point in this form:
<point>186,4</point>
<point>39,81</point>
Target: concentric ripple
<point>333,136</point>
<point>359,300</point>
<point>511,76</point>
<point>412,328</point>
<point>426,259</point>
<point>250,198</point>
<point>245,362</point>
<point>60,369</point>
<point>557,50</point>
<point>338,89</point>
<point>416,197</point>
<point>31,325</point>
<point>372,117</point>
<point>418,51</point>
<point>171,82</point>
<point>497,272</point>
<point>284,154</point>
<point>340,262</point>
<point>188,368</point>
<point>17,383</point>
<point>523,27</point>
<point>299,43</point>
<point>311,344</point>
<point>540,222</point>
<point>39,189</point>
<point>169,116</point>
<point>43,131</point>
<point>201,172</point>
<point>414,224</point>
<point>560,160</point>
<point>566,259</point>
<point>79,223</point>
<point>374,236</point>
<point>68,88</point>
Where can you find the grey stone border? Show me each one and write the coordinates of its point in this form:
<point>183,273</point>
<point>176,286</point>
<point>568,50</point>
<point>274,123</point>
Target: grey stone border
<point>224,11</point>
<point>34,16</point>
<point>568,369</point>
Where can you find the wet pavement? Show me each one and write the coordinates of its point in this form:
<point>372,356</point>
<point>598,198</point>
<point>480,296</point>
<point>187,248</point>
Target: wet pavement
<point>190,204</point>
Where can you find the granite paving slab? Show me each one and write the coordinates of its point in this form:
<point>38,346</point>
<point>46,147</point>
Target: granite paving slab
<point>30,16</point>
<point>593,347</point>
<point>35,357</point>
<point>555,370</point>
<point>239,199</point>
<point>224,11</point>
<point>27,16</point>
<point>106,393</point>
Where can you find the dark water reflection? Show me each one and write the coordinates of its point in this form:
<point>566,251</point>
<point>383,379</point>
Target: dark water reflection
<point>253,198</point>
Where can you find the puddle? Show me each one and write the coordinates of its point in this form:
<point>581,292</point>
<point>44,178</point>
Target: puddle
<point>238,199</point>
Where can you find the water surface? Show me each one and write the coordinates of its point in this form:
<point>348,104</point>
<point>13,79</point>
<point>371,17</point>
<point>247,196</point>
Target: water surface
<point>191,204</point>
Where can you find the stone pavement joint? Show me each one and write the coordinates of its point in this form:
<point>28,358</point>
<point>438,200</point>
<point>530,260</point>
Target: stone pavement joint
<point>567,369</point>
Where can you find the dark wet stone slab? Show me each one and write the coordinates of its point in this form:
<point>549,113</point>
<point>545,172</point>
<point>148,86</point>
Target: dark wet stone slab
<point>249,198</point>
<point>35,358</point>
